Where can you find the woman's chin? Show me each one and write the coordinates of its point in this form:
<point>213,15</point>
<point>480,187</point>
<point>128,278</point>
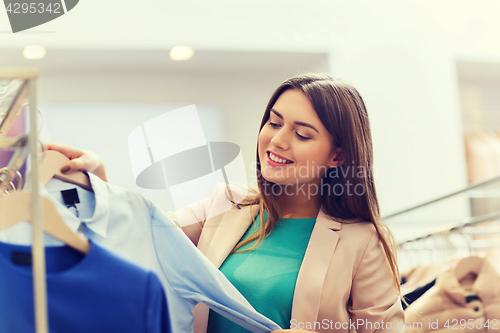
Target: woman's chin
<point>277,180</point>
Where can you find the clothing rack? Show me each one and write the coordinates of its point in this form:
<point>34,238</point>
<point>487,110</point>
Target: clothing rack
<point>437,225</point>
<point>476,185</point>
<point>494,216</point>
<point>28,89</point>
<point>460,229</point>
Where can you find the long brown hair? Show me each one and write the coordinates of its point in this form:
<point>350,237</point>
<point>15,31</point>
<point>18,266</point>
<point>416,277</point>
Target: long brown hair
<point>342,111</point>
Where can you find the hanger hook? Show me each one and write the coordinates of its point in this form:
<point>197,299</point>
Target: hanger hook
<point>467,240</point>
<point>6,191</point>
<point>18,177</point>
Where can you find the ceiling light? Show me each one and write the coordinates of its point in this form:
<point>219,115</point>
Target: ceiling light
<point>181,53</point>
<point>34,52</point>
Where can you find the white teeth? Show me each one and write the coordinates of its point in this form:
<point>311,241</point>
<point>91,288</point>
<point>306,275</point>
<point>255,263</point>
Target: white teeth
<point>277,159</point>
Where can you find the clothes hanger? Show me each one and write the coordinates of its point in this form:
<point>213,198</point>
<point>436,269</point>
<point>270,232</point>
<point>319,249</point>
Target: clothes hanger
<point>14,208</point>
<point>51,164</point>
<point>9,173</point>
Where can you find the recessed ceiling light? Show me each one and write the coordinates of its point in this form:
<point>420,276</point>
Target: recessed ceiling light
<point>34,52</point>
<point>181,53</point>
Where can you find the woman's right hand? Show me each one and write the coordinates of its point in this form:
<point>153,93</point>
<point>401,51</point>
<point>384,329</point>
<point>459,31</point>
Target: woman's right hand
<point>80,160</point>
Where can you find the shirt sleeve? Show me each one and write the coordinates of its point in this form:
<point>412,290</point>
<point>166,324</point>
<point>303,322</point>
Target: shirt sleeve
<point>196,279</point>
<point>375,300</point>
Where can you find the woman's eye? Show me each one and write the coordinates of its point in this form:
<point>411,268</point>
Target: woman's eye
<point>303,138</point>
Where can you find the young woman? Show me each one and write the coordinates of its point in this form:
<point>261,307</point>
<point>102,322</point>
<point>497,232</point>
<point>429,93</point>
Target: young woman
<point>309,249</point>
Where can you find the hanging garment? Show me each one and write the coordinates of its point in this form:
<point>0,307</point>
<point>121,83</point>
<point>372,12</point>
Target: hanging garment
<point>417,293</point>
<point>135,228</point>
<point>469,305</point>
<point>419,277</point>
<point>96,292</point>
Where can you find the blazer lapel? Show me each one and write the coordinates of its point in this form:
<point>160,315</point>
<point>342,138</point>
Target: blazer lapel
<point>229,231</point>
<point>312,273</point>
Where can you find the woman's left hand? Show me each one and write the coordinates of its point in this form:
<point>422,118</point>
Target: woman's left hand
<point>80,160</point>
<point>293,331</point>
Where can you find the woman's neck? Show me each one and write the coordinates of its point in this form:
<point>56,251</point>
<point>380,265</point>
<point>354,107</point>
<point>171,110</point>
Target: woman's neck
<point>299,206</point>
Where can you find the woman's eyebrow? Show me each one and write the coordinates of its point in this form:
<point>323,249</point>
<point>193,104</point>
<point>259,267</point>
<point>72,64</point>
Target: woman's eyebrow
<point>300,123</point>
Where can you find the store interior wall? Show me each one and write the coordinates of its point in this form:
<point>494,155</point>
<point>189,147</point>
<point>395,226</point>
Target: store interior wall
<point>479,97</point>
<point>105,130</point>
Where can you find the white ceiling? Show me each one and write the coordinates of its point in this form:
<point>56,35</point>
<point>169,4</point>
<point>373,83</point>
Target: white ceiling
<point>464,28</point>
<point>155,24</point>
<point>220,62</point>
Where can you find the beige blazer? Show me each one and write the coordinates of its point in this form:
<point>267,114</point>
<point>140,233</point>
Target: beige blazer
<point>344,282</point>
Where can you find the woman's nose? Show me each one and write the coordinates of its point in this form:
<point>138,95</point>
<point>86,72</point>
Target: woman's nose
<point>281,140</point>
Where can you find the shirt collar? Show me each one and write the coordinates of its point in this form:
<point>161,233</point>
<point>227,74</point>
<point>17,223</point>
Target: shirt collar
<point>98,223</point>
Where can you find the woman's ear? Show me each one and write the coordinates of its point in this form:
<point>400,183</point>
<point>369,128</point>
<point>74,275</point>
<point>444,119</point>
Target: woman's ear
<point>338,158</point>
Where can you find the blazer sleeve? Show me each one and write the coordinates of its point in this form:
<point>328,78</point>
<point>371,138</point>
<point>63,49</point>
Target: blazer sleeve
<point>192,218</point>
<point>375,300</point>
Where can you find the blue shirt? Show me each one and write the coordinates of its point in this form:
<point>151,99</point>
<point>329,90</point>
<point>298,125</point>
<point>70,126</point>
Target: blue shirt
<point>137,229</point>
<point>97,292</point>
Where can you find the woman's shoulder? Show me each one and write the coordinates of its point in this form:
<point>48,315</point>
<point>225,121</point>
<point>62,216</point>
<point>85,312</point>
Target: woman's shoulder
<point>237,194</point>
<point>226,197</point>
<point>358,228</point>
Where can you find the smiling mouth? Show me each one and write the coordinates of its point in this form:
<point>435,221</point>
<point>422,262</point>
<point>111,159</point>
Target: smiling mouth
<point>276,159</point>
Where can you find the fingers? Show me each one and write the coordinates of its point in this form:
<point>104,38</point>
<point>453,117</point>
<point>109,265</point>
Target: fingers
<point>72,166</point>
<point>70,152</point>
<point>77,162</point>
<point>80,160</point>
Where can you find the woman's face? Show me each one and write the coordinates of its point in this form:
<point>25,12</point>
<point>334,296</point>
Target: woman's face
<point>295,134</point>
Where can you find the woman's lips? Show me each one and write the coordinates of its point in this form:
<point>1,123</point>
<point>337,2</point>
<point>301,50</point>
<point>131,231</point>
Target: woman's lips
<point>273,163</point>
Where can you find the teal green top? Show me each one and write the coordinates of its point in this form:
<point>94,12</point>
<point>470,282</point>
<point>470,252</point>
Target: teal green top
<point>266,275</point>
